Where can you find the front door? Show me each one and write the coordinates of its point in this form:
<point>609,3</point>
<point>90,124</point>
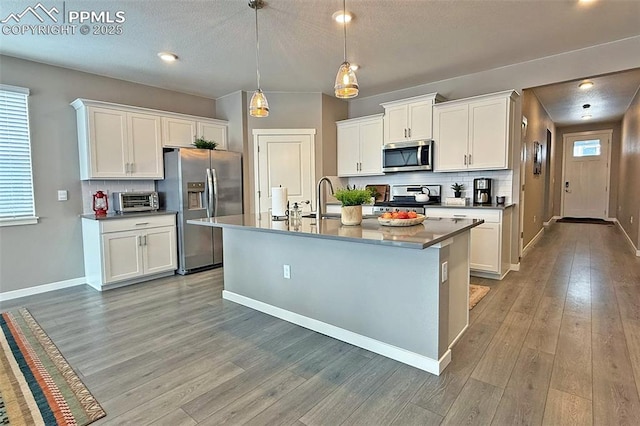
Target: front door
<point>284,158</point>
<point>585,183</point>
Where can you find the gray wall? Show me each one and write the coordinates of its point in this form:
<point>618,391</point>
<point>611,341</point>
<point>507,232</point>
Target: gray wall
<point>51,251</point>
<point>538,121</point>
<point>629,181</point>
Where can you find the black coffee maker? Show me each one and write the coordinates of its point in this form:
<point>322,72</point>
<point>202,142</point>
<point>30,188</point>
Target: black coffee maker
<point>482,191</point>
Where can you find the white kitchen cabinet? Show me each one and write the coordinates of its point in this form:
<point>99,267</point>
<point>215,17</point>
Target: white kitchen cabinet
<point>490,242</point>
<point>360,146</point>
<point>474,133</point>
<point>128,250</point>
<point>116,143</point>
<point>178,132</point>
<point>409,119</point>
<point>181,131</point>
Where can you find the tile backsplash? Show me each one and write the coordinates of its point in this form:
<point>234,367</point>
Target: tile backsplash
<point>89,187</point>
<point>502,181</point>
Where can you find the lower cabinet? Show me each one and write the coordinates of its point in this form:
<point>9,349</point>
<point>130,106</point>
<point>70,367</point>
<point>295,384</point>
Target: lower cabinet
<point>490,242</point>
<point>128,250</point>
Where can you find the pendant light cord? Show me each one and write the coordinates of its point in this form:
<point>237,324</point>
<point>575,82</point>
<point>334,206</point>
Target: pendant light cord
<point>344,24</point>
<point>255,6</point>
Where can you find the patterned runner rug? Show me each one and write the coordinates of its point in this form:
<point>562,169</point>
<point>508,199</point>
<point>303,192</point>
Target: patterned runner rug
<point>476,293</point>
<point>37,385</point>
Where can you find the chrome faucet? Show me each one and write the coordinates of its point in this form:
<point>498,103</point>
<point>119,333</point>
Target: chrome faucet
<point>318,195</point>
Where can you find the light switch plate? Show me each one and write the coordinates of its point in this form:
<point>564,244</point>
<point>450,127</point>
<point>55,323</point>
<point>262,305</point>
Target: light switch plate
<point>445,271</point>
<point>62,195</point>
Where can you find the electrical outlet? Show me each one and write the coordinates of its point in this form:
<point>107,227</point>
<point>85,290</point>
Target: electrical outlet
<point>62,195</point>
<point>286,269</point>
<point>631,219</point>
<point>534,218</point>
<point>445,271</point>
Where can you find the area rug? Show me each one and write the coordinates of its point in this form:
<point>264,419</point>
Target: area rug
<point>37,385</point>
<point>585,220</point>
<point>476,293</point>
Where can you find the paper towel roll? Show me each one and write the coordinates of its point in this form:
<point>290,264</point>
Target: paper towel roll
<point>279,201</point>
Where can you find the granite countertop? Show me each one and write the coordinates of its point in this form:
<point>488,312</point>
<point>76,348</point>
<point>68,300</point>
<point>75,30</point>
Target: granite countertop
<point>115,216</point>
<point>447,206</point>
<point>426,234</point>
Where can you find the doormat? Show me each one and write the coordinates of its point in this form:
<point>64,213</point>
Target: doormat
<point>476,293</point>
<point>37,385</point>
<point>585,220</point>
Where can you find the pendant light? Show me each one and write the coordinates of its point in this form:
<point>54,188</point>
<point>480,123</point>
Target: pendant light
<point>346,85</point>
<point>258,106</point>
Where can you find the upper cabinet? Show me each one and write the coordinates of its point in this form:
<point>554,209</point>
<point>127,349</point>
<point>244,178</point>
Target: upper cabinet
<point>181,132</point>
<point>115,143</point>
<point>409,119</point>
<point>123,142</point>
<point>474,133</point>
<point>360,146</point>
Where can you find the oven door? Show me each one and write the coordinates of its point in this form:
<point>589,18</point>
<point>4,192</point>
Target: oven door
<point>407,156</point>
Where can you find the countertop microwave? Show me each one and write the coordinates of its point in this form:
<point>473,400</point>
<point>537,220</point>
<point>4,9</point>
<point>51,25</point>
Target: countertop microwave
<point>407,156</point>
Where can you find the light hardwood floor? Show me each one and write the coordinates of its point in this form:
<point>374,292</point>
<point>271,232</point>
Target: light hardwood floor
<point>557,343</point>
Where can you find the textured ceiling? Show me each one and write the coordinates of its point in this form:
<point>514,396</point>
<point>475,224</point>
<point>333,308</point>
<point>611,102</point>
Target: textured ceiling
<point>399,43</point>
<point>609,98</point>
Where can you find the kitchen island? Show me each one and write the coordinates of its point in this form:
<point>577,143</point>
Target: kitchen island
<point>401,292</point>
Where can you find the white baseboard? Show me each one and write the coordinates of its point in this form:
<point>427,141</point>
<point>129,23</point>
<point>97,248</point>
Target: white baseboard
<point>552,220</point>
<point>8,295</point>
<point>514,267</point>
<point>411,358</point>
<point>628,237</point>
<point>533,241</point>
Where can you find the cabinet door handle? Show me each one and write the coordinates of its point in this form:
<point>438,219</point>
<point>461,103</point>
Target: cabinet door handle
<point>409,132</point>
<point>140,240</point>
<point>405,133</point>
<point>459,215</point>
<point>145,240</point>
<point>131,167</point>
<point>465,159</point>
<point>142,223</point>
<point>469,158</point>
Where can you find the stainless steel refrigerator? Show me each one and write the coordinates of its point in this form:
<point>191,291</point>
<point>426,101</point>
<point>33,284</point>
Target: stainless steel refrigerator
<point>200,183</point>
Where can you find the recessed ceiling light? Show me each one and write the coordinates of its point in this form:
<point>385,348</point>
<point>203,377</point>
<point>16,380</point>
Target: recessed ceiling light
<point>168,56</point>
<point>587,84</point>
<point>586,116</point>
<point>342,17</point>
<point>355,67</point>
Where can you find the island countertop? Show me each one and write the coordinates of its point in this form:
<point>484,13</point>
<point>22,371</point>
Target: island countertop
<point>432,231</point>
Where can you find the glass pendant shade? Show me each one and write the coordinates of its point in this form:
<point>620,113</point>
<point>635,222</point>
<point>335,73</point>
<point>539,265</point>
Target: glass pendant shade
<point>346,82</point>
<point>258,107</point>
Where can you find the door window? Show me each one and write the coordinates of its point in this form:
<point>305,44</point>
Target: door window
<point>588,148</point>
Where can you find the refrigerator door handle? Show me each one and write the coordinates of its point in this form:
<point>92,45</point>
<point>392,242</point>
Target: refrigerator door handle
<point>215,192</point>
<point>209,193</point>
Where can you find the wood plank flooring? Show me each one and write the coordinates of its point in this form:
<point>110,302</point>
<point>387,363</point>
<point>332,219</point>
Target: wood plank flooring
<point>557,343</point>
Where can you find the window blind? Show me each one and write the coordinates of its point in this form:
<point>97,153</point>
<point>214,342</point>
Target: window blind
<point>16,181</point>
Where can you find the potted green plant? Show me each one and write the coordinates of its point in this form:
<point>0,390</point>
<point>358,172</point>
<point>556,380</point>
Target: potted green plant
<point>352,200</point>
<point>457,189</point>
<point>202,143</point>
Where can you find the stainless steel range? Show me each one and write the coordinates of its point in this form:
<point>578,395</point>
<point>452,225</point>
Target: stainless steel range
<point>403,198</point>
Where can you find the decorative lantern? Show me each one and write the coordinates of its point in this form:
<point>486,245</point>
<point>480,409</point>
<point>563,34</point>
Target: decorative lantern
<point>100,203</point>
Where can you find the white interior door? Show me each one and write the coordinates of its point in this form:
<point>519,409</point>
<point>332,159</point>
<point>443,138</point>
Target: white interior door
<point>284,159</point>
<point>586,175</point>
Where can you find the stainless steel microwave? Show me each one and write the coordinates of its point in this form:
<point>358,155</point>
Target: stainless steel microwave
<point>407,156</point>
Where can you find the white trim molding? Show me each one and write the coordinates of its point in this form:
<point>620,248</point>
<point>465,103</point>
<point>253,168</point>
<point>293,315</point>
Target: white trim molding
<point>284,132</point>
<point>411,358</point>
<point>628,237</point>
<point>31,291</point>
<point>533,242</point>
